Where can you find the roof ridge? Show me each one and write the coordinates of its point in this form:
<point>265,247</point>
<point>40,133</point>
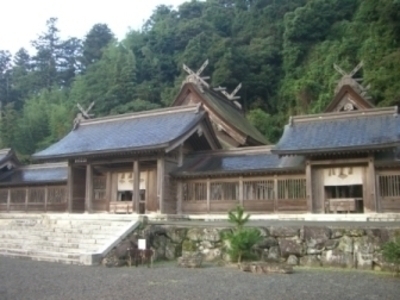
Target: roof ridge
<point>141,114</point>
<point>233,151</point>
<point>345,115</point>
<point>43,166</point>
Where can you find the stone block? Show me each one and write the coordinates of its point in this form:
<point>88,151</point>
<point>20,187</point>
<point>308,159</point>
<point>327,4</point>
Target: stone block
<point>311,261</point>
<point>193,260</point>
<point>337,258</point>
<point>265,268</point>
<point>267,243</point>
<point>284,232</point>
<point>291,247</point>
<point>316,236</point>
<point>274,254</point>
<point>337,233</point>
<point>292,260</point>
<point>331,244</point>
<point>346,244</point>
<point>355,232</point>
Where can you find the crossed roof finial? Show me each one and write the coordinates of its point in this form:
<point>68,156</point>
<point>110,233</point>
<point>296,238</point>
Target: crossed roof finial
<point>348,79</point>
<point>83,114</point>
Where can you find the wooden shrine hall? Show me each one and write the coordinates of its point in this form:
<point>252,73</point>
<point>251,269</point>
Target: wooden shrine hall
<point>202,156</point>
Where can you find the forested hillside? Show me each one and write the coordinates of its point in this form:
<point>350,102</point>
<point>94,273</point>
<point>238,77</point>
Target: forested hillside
<point>282,51</point>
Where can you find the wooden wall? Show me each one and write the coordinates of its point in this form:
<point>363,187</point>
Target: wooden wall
<point>318,190</point>
<point>388,191</point>
<point>256,194</point>
<point>45,198</point>
<point>169,187</point>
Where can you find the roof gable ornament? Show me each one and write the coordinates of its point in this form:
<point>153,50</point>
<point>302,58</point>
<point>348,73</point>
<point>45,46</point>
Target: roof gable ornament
<point>195,77</point>
<point>83,114</point>
<point>232,96</point>
<point>348,79</point>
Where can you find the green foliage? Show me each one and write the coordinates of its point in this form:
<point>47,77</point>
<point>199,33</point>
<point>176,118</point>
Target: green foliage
<point>189,246</point>
<point>240,241</point>
<point>391,253</point>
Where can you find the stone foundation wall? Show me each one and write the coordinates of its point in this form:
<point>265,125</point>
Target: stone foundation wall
<point>313,246</point>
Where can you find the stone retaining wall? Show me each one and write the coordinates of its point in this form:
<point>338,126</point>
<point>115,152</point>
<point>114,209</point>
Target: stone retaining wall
<point>312,246</point>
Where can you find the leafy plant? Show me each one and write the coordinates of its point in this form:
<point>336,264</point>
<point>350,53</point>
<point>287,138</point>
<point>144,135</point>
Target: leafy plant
<point>240,241</point>
<point>391,253</point>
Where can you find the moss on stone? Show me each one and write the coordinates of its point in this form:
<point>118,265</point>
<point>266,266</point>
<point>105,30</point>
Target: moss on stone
<point>189,246</point>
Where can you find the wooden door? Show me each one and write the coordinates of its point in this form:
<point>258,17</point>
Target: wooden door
<point>318,190</point>
<point>79,190</point>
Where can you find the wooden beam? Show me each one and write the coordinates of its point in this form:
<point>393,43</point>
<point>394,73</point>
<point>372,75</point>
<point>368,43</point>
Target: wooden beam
<point>160,183</point>
<point>108,189</point>
<point>46,197</point>
<point>275,193</point>
<point>339,161</point>
<point>372,184</point>
<point>70,186</point>
<point>309,187</point>
<point>89,188</point>
<point>136,187</point>
<point>26,198</point>
<point>179,190</point>
<point>8,199</point>
<point>208,195</point>
<point>241,191</point>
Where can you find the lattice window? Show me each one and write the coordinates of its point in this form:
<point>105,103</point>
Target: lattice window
<point>389,185</point>
<point>224,191</point>
<point>36,195</point>
<point>194,191</point>
<point>99,187</point>
<point>18,196</point>
<point>57,194</point>
<point>3,196</point>
<point>292,188</point>
<point>258,190</point>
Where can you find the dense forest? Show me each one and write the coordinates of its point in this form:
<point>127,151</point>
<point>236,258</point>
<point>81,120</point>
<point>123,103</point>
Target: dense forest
<point>282,51</point>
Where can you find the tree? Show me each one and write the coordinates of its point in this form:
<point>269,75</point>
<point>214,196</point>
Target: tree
<point>95,42</point>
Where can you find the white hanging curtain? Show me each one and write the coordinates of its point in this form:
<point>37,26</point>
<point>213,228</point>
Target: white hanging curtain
<point>125,181</point>
<point>343,176</point>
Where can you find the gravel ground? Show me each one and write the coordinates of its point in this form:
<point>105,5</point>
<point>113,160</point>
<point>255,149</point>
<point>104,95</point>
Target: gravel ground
<point>24,279</point>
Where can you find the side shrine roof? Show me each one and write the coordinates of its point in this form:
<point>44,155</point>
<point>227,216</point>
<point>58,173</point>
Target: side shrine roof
<point>36,174</point>
<point>8,158</point>
<point>226,110</point>
<point>151,130</point>
<point>250,160</point>
<point>368,130</point>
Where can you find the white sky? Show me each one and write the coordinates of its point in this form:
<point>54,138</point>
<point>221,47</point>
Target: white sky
<point>21,21</point>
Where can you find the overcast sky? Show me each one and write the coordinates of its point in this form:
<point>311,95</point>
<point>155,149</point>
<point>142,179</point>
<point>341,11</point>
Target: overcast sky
<point>22,20</point>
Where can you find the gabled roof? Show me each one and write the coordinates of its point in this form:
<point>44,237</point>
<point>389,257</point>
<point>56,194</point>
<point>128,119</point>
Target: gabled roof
<point>8,158</point>
<point>365,131</point>
<point>36,174</point>
<point>251,160</point>
<point>348,94</point>
<point>145,131</point>
<point>225,110</point>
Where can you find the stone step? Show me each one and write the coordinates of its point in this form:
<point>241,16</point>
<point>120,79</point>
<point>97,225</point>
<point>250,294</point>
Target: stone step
<point>15,244</point>
<point>74,240</point>
<point>50,248</point>
<point>43,258</point>
<point>50,234</point>
<point>24,252</point>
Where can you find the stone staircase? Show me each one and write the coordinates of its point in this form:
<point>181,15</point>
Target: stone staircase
<point>63,238</point>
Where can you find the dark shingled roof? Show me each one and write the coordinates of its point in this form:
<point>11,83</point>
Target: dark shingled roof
<point>8,158</point>
<point>227,111</point>
<point>36,174</point>
<point>238,161</point>
<point>366,130</point>
<point>140,131</point>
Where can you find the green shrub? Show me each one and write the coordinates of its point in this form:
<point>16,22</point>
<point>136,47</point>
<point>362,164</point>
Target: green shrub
<point>391,253</point>
<point>240,241</point>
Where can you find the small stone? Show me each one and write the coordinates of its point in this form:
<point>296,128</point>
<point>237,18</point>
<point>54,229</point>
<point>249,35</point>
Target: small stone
<point>266,268</point>
<point>293,260</point>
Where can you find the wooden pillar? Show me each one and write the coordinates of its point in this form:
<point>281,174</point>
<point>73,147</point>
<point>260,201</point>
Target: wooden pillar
<point>108,190</point>
<point>241,195</point>
<point>208,195</point>
<point>8,200</point>
<point>89,188</point>
<point>26,198</point>
<point>136,187</point>
<point>372,185</point>
<point>179,190</point>
<point>46,197</point>
<point>309,187</point>
<point>276,193</point>
<point>160,183</point>
<point>70,184</point>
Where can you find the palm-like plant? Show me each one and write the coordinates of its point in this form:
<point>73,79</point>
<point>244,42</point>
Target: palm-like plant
<point>238,217</point>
